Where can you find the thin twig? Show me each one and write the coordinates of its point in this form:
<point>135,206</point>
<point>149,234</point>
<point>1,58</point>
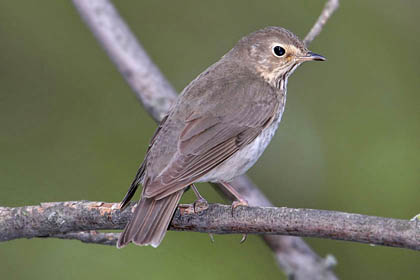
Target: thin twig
<point>293,255</point>
<point>55,218</point>
<point>330,7</point>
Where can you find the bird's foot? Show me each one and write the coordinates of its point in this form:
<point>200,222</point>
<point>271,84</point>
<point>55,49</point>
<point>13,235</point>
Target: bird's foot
<point>237,203</point>
<point>200,205</point>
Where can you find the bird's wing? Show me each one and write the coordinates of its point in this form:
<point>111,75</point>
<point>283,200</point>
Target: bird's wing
<point>140,173</point>
<point>209,138</point>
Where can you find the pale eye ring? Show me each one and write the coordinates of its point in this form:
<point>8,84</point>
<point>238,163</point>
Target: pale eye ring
<point>278,51</point>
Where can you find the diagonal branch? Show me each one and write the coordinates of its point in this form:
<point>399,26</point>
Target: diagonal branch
<point>330,7</point>
<point>143,76</point>
<point>293,255</point>
<point>57,218</point>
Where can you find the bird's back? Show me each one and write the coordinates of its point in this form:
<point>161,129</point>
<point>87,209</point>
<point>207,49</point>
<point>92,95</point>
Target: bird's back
<point>217,95</point>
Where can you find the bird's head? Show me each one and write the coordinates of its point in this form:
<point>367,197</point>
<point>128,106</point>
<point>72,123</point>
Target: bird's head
<point>273,52</point>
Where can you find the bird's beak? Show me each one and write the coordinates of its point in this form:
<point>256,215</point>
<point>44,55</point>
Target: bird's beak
<point>312,56</point>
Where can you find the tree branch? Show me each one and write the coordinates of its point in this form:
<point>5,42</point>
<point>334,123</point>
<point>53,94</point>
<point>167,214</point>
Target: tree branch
<point>61,219</point>
<point>144,78</point>
<point>330,7</point>
<point>293,255</point>
<point>92,236</point>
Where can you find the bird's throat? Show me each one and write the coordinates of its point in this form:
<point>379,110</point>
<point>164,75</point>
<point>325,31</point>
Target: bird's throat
<point>278,78</point>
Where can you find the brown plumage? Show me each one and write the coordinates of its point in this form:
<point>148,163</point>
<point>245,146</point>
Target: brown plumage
<point>219,126</point>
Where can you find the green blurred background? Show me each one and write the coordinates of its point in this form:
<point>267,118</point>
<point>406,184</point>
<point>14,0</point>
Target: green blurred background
<point>71,129</point>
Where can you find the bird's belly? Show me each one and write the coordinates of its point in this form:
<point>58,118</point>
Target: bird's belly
<point>245,158</point>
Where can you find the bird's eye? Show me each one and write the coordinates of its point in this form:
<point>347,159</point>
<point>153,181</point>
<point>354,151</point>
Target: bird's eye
<point>278,51</point>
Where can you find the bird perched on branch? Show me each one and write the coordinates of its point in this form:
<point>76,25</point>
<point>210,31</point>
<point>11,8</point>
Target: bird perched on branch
<point>218,128</point>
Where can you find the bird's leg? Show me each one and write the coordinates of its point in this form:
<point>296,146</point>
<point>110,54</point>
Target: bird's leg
<point>239,201</point>
<point>200,204</point>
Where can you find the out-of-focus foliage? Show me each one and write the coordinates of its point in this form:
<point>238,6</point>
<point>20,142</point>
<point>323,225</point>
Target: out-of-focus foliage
<point>70,129</point>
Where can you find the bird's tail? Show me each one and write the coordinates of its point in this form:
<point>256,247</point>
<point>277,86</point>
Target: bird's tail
<point>150,221</point>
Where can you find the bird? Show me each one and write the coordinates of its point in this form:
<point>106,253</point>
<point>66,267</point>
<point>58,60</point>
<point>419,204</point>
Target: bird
<point>217,129</point>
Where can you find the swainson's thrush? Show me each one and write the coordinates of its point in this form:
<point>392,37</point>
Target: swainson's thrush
<point>218,128</point>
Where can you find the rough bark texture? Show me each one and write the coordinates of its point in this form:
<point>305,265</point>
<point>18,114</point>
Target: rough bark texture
<point>57,218</point>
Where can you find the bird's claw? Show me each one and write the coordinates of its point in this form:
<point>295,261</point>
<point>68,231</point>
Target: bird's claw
<point>200,205</point>
<point>238,203</point>
<point>243,239</point>
<point>211,237</point>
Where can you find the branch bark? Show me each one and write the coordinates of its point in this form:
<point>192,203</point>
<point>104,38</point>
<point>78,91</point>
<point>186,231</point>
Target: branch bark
<point>293,255</point>
<point>55,219</point>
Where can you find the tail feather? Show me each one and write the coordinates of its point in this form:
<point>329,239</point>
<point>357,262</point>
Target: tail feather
<point>150,221</point>
<point>161,223</point>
